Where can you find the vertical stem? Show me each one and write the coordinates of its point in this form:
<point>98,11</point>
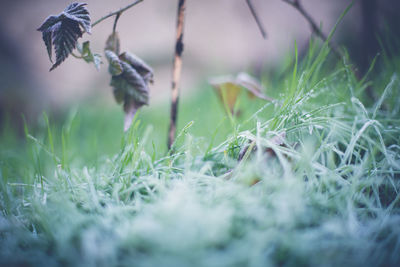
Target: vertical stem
<point>130,112</point>
<point>176,73</point>
<point>116,21</point>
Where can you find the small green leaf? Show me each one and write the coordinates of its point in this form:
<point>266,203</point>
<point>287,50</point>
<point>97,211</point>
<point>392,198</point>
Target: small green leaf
<point>97,60</point>
<point>88,56</point>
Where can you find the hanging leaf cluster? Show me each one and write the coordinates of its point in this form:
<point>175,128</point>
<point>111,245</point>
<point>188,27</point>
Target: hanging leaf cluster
<point>62,31</point>
<point>130,78</point>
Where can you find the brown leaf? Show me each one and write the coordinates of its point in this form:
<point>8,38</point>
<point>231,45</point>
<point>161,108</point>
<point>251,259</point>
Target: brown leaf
<point>115,66</point>
<point>131,86</point>
<point>130,78</point>
<point>113,43</point>
<point>278,140</point>
<point>253,86</point>
<point>228,88</point>
<point>139,65</point>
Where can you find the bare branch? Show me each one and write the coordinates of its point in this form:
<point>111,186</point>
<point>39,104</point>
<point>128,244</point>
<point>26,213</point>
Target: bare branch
<point>317,31</point>
<point>314,26</point>
<point>176,72</point>
<point>257,19</point>
<point>116,13</point>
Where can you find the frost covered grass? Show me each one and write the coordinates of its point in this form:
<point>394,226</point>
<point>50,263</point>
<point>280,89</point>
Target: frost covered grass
<point>328,195</point>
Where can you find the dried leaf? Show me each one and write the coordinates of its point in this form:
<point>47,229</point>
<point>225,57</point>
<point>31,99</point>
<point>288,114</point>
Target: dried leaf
<point>139,65</point>
<point>253,86</point>
<point>130,79</point>
<point>130,89</point>
<point>114,67</point>
<point>278,140</point>
<point>229,88</point>
<point>113,43</point>
<point>131,86</point>
<point>62,31</point>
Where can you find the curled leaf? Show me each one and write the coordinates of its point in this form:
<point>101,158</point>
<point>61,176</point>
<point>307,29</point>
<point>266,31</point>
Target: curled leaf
<point>113,43</point>
<point>131,86</point>
<point>130,78</point>
<point>62,31</point>
<point>228,88</point>
<point>253,86</point>
<point>114,67</point>
<point>139,65</point>
<point>130,89</point>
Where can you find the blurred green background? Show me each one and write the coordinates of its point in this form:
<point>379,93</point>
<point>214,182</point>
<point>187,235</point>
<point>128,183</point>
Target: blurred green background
<point>220,37</point>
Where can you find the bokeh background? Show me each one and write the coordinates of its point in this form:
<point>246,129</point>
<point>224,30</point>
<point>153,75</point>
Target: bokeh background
<point>220,37</point>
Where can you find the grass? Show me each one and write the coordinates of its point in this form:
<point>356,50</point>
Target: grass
<point>83,194</point>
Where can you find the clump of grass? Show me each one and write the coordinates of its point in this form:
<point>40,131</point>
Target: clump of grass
<point>329,196</point>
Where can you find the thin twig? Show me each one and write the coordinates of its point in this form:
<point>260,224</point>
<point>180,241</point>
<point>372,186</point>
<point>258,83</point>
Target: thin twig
<point>116,21</point>
<point>317,31</point>
<point>115,13</point>
<point>176,72</point>
<point>314,26</point>
<point>257,19</point>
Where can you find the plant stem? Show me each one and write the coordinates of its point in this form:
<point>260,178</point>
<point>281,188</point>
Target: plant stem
<point>257,19</point>
<point>176,72</point>
<point>76,56</point>
<point>130,111</point>
<point>116,13</point>
<point>116,21</point>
